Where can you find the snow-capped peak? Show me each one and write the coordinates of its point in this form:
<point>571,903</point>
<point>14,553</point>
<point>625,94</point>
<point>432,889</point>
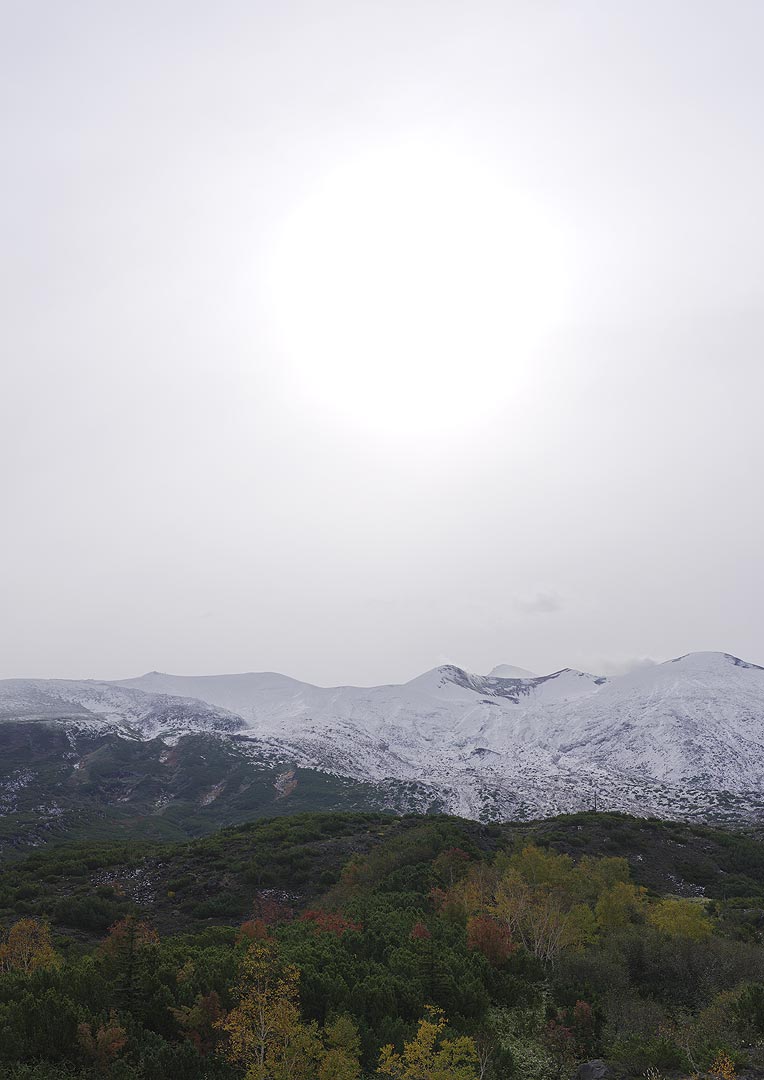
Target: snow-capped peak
<point>508,742</point>
<point>708,661</point>
<point>509,671</point>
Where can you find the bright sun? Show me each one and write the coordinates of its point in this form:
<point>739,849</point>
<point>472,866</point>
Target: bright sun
<point>411,289</point>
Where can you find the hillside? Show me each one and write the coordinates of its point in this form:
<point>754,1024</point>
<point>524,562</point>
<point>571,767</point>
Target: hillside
<point>214,879</point>
<point>694,724</point>
<point>170,756</point>
<point>656,961</point>
<point>67,782</point>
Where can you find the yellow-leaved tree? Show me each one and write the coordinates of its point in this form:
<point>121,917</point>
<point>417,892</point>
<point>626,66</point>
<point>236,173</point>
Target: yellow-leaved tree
<point>431,1056</point>
<point>27,947</point>
<point>620,905</point>
<point>342,1051</point>
<point>265,1033</point>
<point>544,901</point>
<point>681,918</point>
<point>536,899</point>
<point>268,1038</point>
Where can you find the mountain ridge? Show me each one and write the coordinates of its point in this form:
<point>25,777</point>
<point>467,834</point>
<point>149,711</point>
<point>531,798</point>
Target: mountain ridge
<point>680,739</point>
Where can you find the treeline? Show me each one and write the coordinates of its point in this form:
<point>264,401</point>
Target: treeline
<point>426,956</point>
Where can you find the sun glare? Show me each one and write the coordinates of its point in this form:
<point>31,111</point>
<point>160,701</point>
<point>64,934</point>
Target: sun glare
<point>412,288</point>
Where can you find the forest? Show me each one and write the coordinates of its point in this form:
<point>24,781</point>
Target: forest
<point>350,946</point>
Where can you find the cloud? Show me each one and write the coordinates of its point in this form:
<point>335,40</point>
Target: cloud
<point>543,603</point>
<point>621,665</point>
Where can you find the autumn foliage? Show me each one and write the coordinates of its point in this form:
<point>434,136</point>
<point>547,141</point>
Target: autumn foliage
<point>128,936</point>
<point>431,1054</point>
<point>200,1022</point>
<point>539,960</point>
<point>330,922</point>
<point>27,947</point>
<point>253,930</point>
<point>266,1034</point>
<point>102,1043</point>
<point>488,936</point>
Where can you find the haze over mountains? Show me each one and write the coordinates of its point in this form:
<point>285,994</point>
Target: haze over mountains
<point>679,739</point>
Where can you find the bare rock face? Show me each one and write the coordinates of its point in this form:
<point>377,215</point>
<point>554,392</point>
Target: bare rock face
<point>592,1070</point>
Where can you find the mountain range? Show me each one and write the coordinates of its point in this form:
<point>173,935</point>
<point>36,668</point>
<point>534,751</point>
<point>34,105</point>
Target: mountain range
<point>168,754</point>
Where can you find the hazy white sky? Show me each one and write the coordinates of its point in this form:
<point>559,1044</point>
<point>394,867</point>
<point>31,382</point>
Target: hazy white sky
<point>345,339</point>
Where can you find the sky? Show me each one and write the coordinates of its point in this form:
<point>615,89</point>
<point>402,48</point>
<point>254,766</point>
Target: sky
<point>345,339</point>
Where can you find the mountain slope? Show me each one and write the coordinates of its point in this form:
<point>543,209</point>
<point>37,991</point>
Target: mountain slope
<point>680,739</point>
<point>695,720</point>
<point>179,886</point>
<point>686,734</point>
<point>92,759</point>
<point>102,706</point>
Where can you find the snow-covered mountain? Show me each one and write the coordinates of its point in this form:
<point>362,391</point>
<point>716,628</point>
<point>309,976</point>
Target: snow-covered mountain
<point>680,739</point>
<point>108,707</point>
<point>696,720</point>
<point>685,737</point>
